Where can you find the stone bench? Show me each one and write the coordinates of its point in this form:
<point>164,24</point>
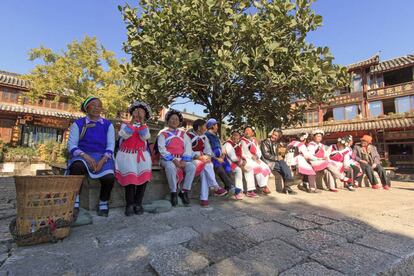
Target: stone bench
<point>157,189</point>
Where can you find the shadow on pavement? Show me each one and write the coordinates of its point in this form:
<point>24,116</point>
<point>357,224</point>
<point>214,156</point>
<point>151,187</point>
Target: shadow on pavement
<point>270,235</point>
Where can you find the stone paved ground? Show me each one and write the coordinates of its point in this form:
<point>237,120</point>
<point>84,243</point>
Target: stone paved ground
<point>363,233</point>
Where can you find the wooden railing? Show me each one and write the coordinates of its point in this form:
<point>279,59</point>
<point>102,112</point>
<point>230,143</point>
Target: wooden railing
<point>49,104</point>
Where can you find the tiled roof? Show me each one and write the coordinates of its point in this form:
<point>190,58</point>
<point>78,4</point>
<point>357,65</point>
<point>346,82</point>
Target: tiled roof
<point>39,111</point>
<point>384,123</point>
<point>13,79</point>
<point>392,64</point>
<point>365,63</point>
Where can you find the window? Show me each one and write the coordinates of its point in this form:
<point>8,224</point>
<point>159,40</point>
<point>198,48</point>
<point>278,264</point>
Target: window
<point>370,82</point>
<point>339,114</point>
<point>388,106</point>
<point>401,149</point>
<point>13,97</point>
<point>328,115</point>
<point>379,81</point>
<point>62,106</point>
<point>8,95</point>
<point>398,76</point>
<point>5,95</point>
<point>312,117</point>
<point>33,135</point>
<point>356,85</point>
<point>374,81</point>
<point>404,104</point>
<point>375,109</point>
<point>345,112</point>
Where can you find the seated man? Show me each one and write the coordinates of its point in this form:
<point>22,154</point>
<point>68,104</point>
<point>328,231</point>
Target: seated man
<point>174,147</point>
<point>221,166</point>
<point>270,156</point>
<point>369,159</point>
<point>261,169</point>
<point>233,148</point>
<point>202,160</point>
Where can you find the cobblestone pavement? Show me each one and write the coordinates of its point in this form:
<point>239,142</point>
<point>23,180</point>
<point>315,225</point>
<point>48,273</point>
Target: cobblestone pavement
<point>362,233</point>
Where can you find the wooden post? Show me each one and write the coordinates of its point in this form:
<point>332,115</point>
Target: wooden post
<point>364,104</point>
<point>385,145</point>
<point>320,114</point>
<point>16,133</point>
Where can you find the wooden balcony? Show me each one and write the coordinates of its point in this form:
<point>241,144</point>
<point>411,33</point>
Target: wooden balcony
<point>49,104</point>
<point>391,91</point>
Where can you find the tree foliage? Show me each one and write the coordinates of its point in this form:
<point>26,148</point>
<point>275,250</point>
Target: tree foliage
<point>85,68</point>
<point>243,60</point>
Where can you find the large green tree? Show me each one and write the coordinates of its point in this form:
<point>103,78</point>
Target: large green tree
<point>243,60</point>
<point>85,68</point>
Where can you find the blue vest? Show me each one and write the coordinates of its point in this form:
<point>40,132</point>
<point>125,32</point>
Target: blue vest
<point>215,143</point>
<point>95,138</point>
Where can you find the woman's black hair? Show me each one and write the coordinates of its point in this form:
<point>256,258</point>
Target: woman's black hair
<point>174,112</point>
<point>198,123</point>
<point>138,104</point>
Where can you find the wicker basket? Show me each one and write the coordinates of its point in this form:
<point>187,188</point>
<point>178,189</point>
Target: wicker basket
<point>44,207</point>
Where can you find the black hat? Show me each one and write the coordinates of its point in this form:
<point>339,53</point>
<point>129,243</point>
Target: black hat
<point>86,102</point>
<point>174,112</point>
<point>138,104</point>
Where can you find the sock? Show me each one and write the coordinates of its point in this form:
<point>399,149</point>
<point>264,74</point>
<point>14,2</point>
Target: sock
<point>103,205</point>
<point>77,202</point>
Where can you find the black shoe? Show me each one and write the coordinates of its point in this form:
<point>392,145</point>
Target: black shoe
<point>138,210</point>
<point>304,187</point>
<point>289,191</point>
<point>174,199</point>
<point>103,213</point>
<point>350,188</point>
<point>129,210</point>
<point>184,198</point>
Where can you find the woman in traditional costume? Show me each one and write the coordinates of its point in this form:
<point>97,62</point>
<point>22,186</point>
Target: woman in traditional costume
<point>91,144</point>
<point>302,157</point>
<point>133,160</point>
<point>322,163</point>
<point>260,169</point>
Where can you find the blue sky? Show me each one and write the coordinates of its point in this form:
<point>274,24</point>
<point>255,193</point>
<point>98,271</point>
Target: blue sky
<point>352,29</point>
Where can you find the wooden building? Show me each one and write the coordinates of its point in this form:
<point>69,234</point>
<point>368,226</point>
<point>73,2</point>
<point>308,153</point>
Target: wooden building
<point>379,101</point>
<point>27,123</point>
